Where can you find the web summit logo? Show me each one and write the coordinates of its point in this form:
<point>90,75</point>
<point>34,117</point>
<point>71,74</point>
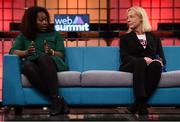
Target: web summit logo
<point>69,22</point>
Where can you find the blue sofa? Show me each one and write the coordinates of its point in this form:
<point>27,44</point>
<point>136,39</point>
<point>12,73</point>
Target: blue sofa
<point>93,79</point>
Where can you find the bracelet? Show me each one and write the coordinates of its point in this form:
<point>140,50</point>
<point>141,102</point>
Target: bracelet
<point>52,52</point>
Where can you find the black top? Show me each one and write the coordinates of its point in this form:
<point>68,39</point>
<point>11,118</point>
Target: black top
<point>130,47</point>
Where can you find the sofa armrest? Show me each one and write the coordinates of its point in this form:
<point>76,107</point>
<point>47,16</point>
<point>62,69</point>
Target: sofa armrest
<point>12,91</point>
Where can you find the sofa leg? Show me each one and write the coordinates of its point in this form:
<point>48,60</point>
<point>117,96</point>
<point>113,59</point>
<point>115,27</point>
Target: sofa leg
<point>18,110</point>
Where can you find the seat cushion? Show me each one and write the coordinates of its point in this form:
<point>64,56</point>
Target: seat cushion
<point>170,79</point>
<point>66,79</point>
<point>103,78</point>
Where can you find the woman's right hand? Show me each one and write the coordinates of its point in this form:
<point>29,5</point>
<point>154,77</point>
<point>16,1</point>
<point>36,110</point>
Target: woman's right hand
<point>148,60</point>
<point>31,49</point>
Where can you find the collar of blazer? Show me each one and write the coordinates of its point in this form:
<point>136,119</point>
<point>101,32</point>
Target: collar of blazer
<point>135,38</point>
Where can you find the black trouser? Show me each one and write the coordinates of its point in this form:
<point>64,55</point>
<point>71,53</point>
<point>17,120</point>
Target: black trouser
<point>145,77</point>
<point>42,74</point>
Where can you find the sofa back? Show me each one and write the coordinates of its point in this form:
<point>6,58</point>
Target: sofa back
<point>108,58</point>
<point>172,55</point>
<point>92,58</point>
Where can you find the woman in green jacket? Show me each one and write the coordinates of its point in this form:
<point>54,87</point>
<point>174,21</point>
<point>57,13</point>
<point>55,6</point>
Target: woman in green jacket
<point>41,50</point>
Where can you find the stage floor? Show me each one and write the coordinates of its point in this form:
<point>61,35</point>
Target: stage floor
<point>92,113</point>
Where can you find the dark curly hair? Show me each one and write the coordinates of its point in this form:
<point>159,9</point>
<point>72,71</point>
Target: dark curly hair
<point>28,25</point>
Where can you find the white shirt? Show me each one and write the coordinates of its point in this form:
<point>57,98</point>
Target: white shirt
<point>142,39</point>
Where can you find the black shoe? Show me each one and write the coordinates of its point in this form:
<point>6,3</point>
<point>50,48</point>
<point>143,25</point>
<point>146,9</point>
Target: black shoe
<point>57,106</point>
<point>130,117</point>
<point>143,117</point>
<point>133,108</point>
<point>143,109</point>
<point>54,112</point>
<point>143,113</point>
<point>130,114</point>
<point>65,106</point>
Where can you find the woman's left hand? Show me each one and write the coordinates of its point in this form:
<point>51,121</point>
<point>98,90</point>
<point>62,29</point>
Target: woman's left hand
<point>48,50</point>
<point>159,62</point>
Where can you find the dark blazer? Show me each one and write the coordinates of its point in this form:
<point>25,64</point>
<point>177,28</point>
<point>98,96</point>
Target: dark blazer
<point>131,48</point>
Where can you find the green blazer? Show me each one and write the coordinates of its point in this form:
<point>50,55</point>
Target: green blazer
<point>54,40</point>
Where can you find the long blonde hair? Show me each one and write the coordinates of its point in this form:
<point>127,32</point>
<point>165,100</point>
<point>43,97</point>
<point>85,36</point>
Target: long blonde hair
<point>146,27</point>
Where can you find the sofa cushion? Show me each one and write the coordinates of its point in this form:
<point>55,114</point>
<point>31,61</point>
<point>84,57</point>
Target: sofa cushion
<point>104,78</point>
<point>66,78</point>
<point>170,79</point>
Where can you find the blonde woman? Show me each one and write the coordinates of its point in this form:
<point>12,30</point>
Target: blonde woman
<point>142,54</point>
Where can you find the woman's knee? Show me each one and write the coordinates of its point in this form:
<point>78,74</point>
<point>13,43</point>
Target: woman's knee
<point>155,64</point>
<point>43,59</point>
<point>29,67</point>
